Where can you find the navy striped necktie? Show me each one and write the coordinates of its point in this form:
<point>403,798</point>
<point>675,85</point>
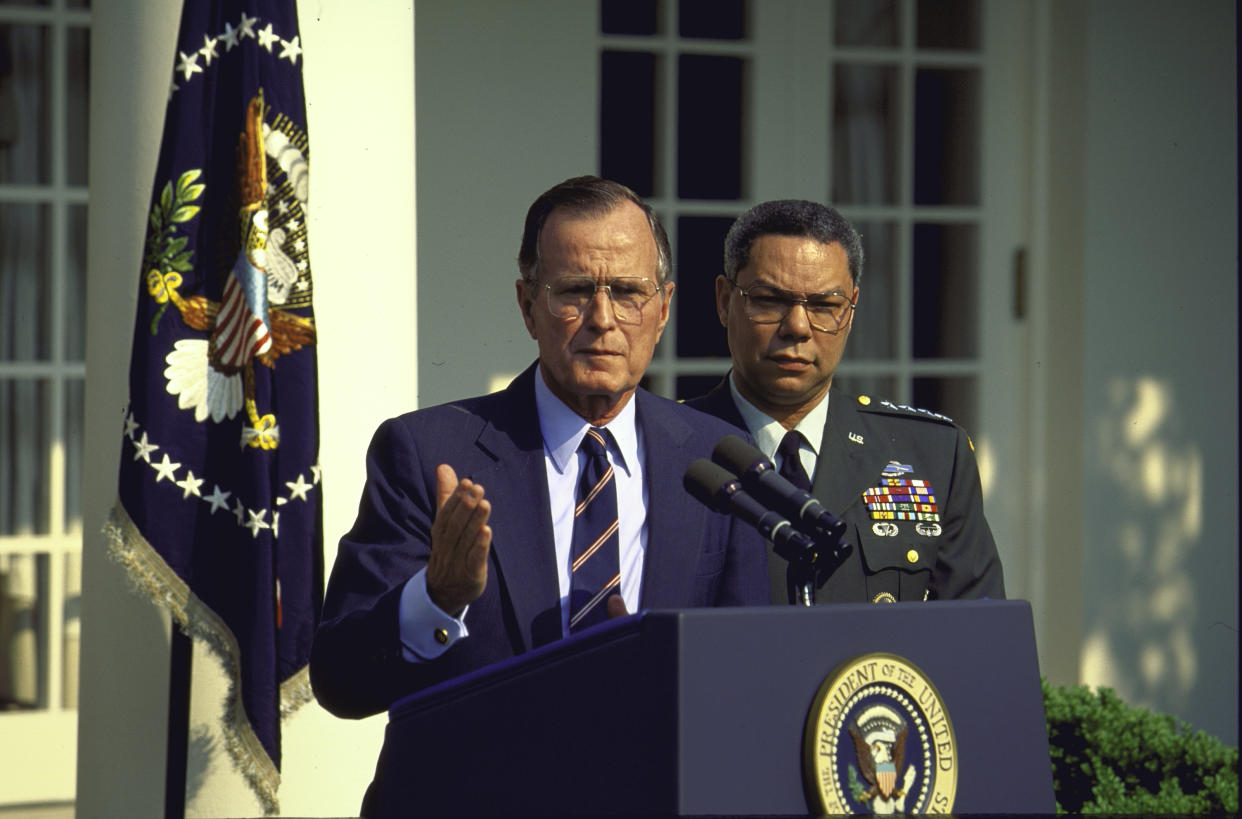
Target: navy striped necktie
<point>791,460</point>
<point>596,544</point>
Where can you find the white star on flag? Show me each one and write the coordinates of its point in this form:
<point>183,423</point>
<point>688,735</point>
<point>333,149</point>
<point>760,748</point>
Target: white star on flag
<point>208,50</point>
<point>191,484</point>
<point>143,449</point>
<point>229,36</point>
<point>189,65</point>
<point>298,489</point>
<point>257,521</point>
<point>218,499</point>
<point>267,37</point>
<point>166,469</point>
<point>290,49</point>
<point>247,25</point>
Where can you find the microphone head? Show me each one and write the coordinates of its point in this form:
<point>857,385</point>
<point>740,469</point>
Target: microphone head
<point>709,484</point>
<point>739,457</point>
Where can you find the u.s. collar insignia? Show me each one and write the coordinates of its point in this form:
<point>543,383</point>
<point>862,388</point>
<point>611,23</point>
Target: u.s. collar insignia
<point>879,740</point>
<point>856,438</point>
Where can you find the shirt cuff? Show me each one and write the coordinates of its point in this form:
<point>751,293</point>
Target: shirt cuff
<point>426,631</point>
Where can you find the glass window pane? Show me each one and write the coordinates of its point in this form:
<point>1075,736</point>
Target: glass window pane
<point>23,664</point>
<point>692,386</point>
<point>75,442</point>
<point>946,281</point>
<point>865,136</point>
<point>711,19</point>
<point>627,119</point>
<point>25,473</point>
<point>25,265</point>
<point>946,137</point>
<point>73,295</point>
<point>628,17</point>
<point>877,386</point>
<point>25,99</point>
<point>72,615</point>
<point>875,318</point>
<point>709,127</point>
<point>955,396</point>
<point>700,243</point>
<point>866,22</point>
<point>949,24</point>
<point>76,120</point>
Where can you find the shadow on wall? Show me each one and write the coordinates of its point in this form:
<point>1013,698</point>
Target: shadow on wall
<point>1144,634</point>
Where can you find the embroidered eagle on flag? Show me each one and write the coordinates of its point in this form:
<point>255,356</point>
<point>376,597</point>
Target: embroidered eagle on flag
<point>214,376</point>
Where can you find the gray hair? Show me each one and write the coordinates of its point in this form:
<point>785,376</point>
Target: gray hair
<point>586,196</point>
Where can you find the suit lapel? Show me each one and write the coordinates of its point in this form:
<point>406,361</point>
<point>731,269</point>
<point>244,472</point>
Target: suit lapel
<point>523,546</point>
<point>669,564</point>
<point>719,402</point>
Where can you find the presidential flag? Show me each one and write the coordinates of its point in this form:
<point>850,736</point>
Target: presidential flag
<point>218,516</point>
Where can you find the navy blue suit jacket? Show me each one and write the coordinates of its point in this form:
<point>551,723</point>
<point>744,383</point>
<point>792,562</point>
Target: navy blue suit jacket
<point>694,557</point>
<point>893,560</point>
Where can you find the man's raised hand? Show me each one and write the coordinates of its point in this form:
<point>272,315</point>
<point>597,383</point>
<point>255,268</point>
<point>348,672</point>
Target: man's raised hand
<point>460,541</point>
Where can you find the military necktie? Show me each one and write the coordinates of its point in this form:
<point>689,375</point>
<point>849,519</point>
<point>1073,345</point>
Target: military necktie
<point>791,460</point>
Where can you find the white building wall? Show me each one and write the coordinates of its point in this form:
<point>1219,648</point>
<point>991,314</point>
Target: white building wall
<point>1160,359</point>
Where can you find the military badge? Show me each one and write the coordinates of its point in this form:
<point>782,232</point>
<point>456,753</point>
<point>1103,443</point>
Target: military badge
<point>902,499</point>
<point>879,740</point>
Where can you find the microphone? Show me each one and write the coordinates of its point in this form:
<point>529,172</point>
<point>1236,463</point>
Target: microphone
<point>759,475</point>
<point>721,491</point>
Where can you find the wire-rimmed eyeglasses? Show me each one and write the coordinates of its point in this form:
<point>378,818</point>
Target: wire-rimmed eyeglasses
<point>825,312</point>
<point>569,296</point>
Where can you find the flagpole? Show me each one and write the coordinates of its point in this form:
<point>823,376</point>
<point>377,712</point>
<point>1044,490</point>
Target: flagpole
<point>180,662</point>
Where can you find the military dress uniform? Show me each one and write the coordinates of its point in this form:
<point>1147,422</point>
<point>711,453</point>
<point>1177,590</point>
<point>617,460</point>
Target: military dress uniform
<point>906,484</point>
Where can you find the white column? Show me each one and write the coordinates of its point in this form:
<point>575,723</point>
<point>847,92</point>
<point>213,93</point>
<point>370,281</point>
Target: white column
<point>359,78</point>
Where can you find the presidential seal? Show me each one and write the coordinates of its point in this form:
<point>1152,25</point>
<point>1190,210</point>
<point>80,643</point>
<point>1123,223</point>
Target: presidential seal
<point>879,740</point>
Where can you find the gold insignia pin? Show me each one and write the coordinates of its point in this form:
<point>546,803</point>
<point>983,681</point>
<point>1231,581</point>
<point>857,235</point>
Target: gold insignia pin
<point>856,438</point>
<point>864,400</point>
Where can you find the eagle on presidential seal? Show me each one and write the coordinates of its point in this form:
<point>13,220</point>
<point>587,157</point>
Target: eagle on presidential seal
<point>214,376</point>
<point>879,736</point>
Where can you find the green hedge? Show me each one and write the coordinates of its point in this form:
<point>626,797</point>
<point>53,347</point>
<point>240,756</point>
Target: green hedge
<point>1109,757</point>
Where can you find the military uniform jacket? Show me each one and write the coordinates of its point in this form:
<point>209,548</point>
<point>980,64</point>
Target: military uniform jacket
<point>906,484</point>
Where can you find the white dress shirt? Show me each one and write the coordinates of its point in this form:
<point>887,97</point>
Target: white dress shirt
<point>768,432</point>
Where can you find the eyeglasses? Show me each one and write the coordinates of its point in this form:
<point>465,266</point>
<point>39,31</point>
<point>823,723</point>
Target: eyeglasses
<point>569,297</point>
<point>825,312</point>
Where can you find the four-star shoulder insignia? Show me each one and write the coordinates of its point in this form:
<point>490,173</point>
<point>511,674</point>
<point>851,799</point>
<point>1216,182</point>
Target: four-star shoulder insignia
<point>901,409</point>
